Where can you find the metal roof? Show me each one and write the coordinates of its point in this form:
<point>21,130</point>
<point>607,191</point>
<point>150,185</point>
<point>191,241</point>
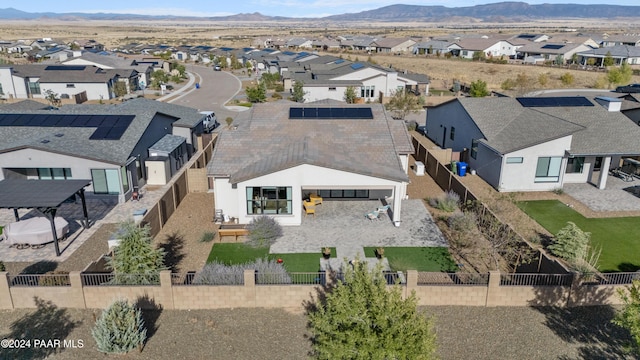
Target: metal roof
<point>20,193</point>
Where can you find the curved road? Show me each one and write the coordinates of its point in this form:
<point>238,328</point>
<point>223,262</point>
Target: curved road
<point>216,89</point>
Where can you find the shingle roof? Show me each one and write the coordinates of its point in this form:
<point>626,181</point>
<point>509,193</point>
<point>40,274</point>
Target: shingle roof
<point>272,142</point>
<point>168,143</point>
<point>624,51</point>
<point>75,141</point>
<point>24,105</point>
<point>508,126</point>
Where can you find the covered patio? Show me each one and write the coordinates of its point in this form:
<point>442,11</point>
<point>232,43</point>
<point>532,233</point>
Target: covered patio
<point>344,225</point>
<point>45,197</point>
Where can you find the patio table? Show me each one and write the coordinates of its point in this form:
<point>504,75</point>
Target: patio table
<point>35,231</point>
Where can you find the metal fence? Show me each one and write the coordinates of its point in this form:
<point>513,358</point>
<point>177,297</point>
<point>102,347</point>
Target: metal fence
<point>112,279</point>
<point>452,279</point>
<point>183,279</point>
<point>622,278</point>
<point>535,279</point>
<point>294,278</point>
<point>39,280</point>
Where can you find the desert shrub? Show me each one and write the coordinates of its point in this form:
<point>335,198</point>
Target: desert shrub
<point>207,236</point>
<point>276,96</point>
<point>508,84</point>
<point>601,83</point>
<point>119,329</point>
<point>543,79</point>
<point>567,78</point>
<point>216,273</point>
<point>558,191</point>
<point>263,231</point>
<point>448,202</point>
<point>56,278</point>
<point>279,88</point>
<point>462,221</point>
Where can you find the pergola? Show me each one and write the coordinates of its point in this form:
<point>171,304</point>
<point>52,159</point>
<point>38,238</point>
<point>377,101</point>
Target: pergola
<point>44,196</point>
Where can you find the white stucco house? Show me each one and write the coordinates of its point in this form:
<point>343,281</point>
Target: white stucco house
<point>490,48</point>
<point>108,144</point>
<point>620,54</point>
<point>534,144</point>
<point>288,151</point>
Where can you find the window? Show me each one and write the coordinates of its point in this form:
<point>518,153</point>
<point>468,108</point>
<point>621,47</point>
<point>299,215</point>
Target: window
<point>125,179</point>
<point>71,85</point>
<point>332,89</point>
<point>474,148</point>
<point>464,52</point>
<point>362,91</point>
<point>343,194</point>
<point>514,160</point>
<point>105,181</point>
<point>269,200</point>
<point>548,169</point>
<point>597,164</point>
<point>452,134</point>
<point>54,173</point>
<point>575,165</point>
<point>34,88</point>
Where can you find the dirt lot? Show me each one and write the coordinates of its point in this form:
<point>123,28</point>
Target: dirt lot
<point>463,333</point>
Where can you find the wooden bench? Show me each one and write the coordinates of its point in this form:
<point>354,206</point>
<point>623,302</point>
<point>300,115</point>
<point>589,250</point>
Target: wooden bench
<point>232,230</point>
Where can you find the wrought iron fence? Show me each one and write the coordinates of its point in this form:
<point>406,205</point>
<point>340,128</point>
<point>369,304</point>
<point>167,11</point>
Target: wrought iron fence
<point>183,279</point>
<point>452,279</point>
<point>622,278</point>
<point>39,280</point>
<point>112,279</point>
<point>295,278</point>
<point>535,279</point>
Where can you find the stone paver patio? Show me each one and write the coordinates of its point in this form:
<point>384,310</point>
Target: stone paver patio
<point>342,224</point>
<point>618,195</point>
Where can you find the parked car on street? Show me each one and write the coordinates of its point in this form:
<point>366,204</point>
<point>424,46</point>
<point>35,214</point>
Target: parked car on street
<point>217,68</point>
<point>631,88</point>
<point>210,122</point>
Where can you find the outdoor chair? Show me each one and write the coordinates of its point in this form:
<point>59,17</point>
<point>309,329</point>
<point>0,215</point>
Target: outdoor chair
<point>374,215</point>
<point>315,199</point>
<point>309,208</point>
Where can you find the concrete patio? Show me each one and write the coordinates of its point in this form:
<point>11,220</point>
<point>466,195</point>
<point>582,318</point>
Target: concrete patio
<point>343,225</point>
<point>618,195</point>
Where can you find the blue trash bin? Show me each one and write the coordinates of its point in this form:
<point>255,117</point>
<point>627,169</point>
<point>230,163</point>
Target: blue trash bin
<point>462,168</point>
<point>197,85</point>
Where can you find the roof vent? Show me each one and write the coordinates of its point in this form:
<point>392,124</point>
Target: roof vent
<point>610,103</point>
<point>45,141</point>
<point>59,135</point>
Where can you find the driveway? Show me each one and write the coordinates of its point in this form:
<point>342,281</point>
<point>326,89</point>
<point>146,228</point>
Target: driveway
<point>216,88</point>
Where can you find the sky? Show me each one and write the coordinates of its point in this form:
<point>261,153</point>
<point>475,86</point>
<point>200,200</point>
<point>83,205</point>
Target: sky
<point>288,8</point>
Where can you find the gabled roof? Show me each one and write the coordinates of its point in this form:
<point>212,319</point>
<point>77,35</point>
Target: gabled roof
<point>508,126</point>
<point>391,42</point>
<point>619,51</point>
<point>64,73</point>
<point>367,147</point>
<point>550,48</point>
<point>478,44</point>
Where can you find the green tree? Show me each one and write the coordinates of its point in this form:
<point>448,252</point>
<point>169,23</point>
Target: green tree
<point>271,80</point>
<point>629,316</point>
<point>158,78</point>
<point>570,243</point>
<point>574,58</point>
<point>621,75</point>
<point>135,261</point>
<point>177,66</point>
<point>53,98</point>
<point>120,89</point>
<point>257,94</point>
<point>403,102</point>
<point>478,88</point>
<point>362,319</point>
<point>559,60</point>
<point>479,55</point>
<point>608,59</point>
<point>298,92</point>
<point>119,329</point>
<point>350,95</point>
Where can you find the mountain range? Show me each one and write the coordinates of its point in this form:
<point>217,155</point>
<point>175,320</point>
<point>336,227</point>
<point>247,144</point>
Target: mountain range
<point>393,13</point>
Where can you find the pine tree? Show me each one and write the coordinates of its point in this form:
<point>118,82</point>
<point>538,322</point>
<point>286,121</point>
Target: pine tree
<point>570,243</point>
<point>120,328</point>
<point>135,261</point>
<point>361,319</point>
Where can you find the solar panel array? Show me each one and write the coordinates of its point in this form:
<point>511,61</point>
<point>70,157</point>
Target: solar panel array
<point>561,101</point>
<point>357,66</point>
<point>66,67</point>
<point>553,46</point>
<point>108,127</point>
<point>315,113</point>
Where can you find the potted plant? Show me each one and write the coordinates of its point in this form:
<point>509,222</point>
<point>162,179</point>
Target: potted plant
<point>380,252</point>
<point>326,252</point>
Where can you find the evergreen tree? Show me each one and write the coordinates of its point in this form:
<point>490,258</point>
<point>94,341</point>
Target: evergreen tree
<point>478,88</point>
<point>570,243</point>
<point>350,95</point>
<point>257,94</point>
<point>135,260</point>
<point>403,102</point>
<point>629,316</point>
<point>362,319</point>
<point>119,329</point>
<point>298,92</point>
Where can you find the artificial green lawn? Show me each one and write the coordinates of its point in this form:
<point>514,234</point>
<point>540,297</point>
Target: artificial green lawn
<point>238,253</point>
<point>618,237</point>
<point>433,259</point>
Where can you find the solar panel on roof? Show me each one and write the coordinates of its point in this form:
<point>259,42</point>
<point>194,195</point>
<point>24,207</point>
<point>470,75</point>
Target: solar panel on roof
<point>115,133</point>
<point>108,127</point>
<point>65,67</point>
<point>553,46</point>
<point>561,101</point>
<point>322,113</point>
<point>339,61</point>
<point>526,36</point>
<point>357,66</point>
<point>99,134</point>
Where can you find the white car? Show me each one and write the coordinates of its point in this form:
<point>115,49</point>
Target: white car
<point>210,121</point>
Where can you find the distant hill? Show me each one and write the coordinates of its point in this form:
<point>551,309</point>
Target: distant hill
<point>503,11</point>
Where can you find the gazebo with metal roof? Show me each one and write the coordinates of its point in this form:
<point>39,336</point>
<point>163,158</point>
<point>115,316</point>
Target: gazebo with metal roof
<point>44,196</point>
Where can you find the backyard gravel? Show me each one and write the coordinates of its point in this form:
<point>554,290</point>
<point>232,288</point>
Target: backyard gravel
<point>463,333</point>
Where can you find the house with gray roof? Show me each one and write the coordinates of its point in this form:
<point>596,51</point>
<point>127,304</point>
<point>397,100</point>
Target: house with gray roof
<point>288,151</point>
<point>536,144</point>
<point>111,61</point>
<point>540,52</point>
<point>108,144</point>
<point>620,54</point>
<point>621,39</point>
<point>434,47</point>
<point>488,46</point>
<point>389,45</point>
